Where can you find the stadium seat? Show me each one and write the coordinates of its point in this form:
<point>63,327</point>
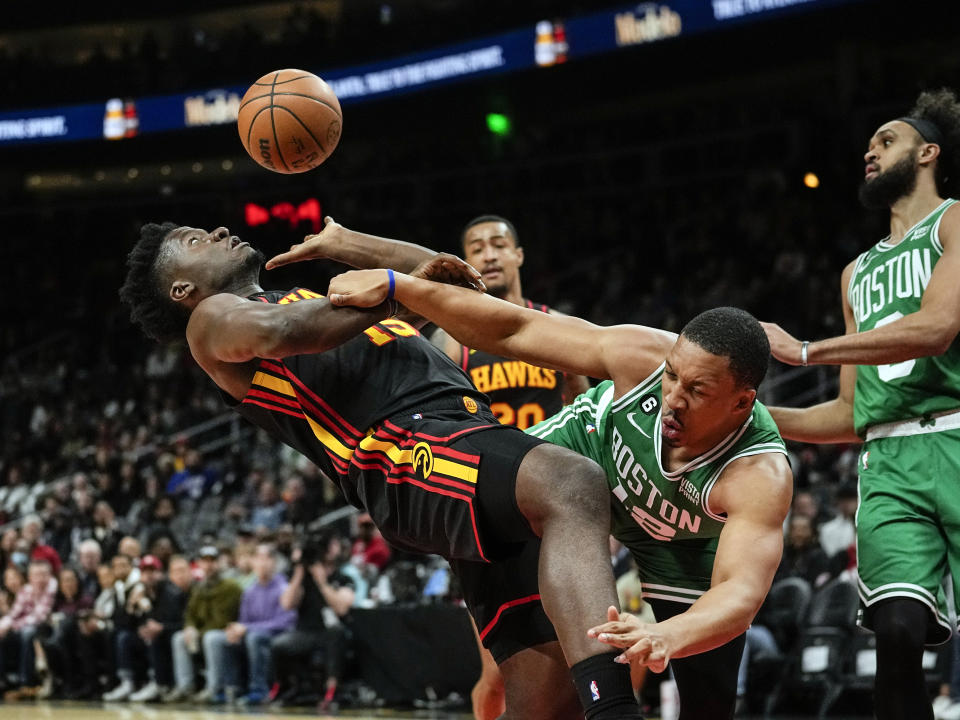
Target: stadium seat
<point>817,663</point>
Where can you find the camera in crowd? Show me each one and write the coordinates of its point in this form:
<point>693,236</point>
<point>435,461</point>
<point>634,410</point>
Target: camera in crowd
<point>314,548</point>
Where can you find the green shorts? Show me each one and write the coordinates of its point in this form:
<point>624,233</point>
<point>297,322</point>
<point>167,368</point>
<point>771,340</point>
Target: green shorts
<point>908,524</point>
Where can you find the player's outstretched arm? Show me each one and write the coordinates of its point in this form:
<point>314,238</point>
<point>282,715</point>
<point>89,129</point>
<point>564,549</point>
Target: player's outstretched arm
<point>624,353</point>
<point>755,493</point>
<point>356,249</point>
<point>226,328</point>
<point>929,331</point>
<point>831,421</point>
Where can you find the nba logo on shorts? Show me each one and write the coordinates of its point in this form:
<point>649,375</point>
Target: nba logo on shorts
<point>594,690</point>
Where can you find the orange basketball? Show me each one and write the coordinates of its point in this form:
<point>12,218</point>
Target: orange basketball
<point>289,121</point>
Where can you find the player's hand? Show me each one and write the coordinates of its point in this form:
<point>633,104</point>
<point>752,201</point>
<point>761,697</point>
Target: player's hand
<point>645,644</point>
<point>783,346</point>
<point>313,247</point>
<point>488,698</point>
<point>359,288</point>
<point>450,269</point>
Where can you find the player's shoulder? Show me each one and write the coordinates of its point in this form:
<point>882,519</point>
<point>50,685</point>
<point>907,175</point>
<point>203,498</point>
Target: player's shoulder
<point>634,353</point>
<point>948,229</point>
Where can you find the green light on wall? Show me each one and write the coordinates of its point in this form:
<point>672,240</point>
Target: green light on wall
<point>498,124</point>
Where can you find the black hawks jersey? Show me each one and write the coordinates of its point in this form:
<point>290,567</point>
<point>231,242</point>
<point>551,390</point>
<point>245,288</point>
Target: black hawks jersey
<point>520,394</point>
<point>324,404</point>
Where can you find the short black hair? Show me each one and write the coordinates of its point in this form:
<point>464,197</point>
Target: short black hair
<point>942,109</point>
<point>736,335</point>
<point>491,218</point>
<point>143,290</point>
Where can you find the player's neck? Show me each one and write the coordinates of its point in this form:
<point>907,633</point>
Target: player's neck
<point>246,289</point>
<point>513,294</point>
<point>911,209</point>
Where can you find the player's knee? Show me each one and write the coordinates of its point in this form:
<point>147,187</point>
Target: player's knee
<point>580,489</point>
<point>901,626</point>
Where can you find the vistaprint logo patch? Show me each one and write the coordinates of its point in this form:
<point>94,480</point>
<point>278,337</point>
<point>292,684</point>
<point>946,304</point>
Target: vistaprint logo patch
<point>594,690</point>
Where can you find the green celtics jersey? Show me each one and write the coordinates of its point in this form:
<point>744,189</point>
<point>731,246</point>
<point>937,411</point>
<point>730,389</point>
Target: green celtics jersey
<point>888,282</point>
<point>664,517</point>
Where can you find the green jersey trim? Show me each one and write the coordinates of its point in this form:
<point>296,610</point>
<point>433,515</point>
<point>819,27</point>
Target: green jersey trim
<point>582,405</point>
<point>935,232</point>
<point>885,245</point>
<point>758,449</point>
<point>871,597</point>
<point>639,388</point>
<point>670,592</point>
<point>707,457</point>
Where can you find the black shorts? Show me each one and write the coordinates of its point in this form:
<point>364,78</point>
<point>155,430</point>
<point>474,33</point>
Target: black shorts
<point>444,482</point>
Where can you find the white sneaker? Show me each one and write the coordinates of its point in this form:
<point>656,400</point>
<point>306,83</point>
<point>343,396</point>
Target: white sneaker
<point>120,692</point>
<point>148,693</point>
<point>941,703</point>
<point>951,712</point>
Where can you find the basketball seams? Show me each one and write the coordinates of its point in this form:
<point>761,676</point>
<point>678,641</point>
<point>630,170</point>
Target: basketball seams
<point>253,122</point>
<point>304,125</point>
<point>303,95</point>
<point>273,124</point>
<point>281,82</point>
<point>318,122</point>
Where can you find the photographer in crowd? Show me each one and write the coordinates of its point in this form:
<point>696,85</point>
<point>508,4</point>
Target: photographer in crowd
<point>322,596</point>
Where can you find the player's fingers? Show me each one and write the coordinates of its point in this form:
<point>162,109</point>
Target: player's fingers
<point>638,652</point>
<point>291,255</point>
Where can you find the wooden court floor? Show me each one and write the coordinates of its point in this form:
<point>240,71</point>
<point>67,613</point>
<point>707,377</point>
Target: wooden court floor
<point>100,711</point>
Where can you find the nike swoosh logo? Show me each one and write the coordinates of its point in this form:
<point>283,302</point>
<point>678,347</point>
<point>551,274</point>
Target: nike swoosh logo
<point>630,420</point>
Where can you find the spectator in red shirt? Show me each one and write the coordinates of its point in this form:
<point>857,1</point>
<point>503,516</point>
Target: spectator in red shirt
<point>369,544</point>
<point>31,531</point>
<point>31,608</point>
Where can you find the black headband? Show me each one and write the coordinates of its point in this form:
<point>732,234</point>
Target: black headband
<point>928,131</point>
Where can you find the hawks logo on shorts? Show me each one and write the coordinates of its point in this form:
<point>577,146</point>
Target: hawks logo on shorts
<point>422,460</point>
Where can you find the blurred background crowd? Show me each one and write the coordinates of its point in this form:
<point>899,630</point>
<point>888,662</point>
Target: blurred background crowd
<point>143,525</point>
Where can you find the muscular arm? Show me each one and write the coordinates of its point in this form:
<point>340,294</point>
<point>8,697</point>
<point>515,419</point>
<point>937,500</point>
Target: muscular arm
<point>831,421</point>
<point>625,353</point>
<point>228,329</point>
<point>355,249</point>
<point>573,384</point>
<point>755,492</point>
<point>929,331</point>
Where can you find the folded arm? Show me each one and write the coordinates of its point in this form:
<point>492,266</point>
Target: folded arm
<point>229,329</point>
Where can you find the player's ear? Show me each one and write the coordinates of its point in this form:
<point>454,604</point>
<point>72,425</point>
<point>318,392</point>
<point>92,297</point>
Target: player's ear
<point>746,398</point>
<point>929,152</point>
<point>180,290</point>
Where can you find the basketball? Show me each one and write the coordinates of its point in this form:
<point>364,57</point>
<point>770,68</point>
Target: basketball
<point>289,121</point>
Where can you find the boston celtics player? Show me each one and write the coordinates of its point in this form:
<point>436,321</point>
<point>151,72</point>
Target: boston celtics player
<point>696,467</point>
<point>900,392</point>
